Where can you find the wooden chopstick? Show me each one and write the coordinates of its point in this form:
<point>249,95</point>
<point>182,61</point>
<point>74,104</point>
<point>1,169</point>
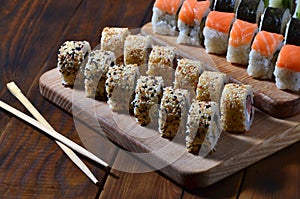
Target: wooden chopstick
<point>14,89</point>
<point>53,133</point>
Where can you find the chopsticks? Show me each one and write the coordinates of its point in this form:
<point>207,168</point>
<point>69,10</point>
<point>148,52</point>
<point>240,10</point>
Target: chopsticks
<point>43,125</point>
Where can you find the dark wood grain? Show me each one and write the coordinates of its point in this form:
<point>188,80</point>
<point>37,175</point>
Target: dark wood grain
<point>132,184</point>
<point>31,164</point>
<point>280,176</point>
<point>28,32</point>
<point>227,188</point>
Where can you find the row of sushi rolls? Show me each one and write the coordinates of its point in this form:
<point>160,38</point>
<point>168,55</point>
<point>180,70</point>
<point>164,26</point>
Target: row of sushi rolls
<point>180,96</point>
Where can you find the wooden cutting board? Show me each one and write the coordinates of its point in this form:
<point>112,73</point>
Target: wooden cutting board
<point>267,96</point>
<point>233,152</point>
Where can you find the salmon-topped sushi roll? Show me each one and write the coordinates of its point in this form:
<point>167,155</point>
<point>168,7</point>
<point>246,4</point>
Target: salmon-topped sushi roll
<point>241,36</point>
<point>216,31</point>
<point>262,56</point>
<point>287,69</point>
<point>191,21</point>
<point>165,14</point>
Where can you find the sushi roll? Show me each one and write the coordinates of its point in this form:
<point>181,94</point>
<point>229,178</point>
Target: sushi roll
<point>239,45</point>
<point>287,69</point>
<point>274,20</point>
<point>187,74</point>
<point>173,112</point>
<point>191,22</point>
<point>148,93</point>
<point>226,5</point>
<point>161,63</point>
<point>292,34</point>
<point>250,10</point>
<point>297,10</point>
<point>216,31</point>
<point>237,112</point>
<point>263,54</point>
<point>210,86</point>
<point>70,61</point>
<point>203,127</point>
<point>95,72</point>
<point>113,39</point>
<point>281,4</point>
<point>120,85</point>
<point>164,18</point>
<point>136,51</point>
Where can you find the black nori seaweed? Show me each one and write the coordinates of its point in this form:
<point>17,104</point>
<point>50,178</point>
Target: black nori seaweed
<point>272,20</point>
<point>224,5</point>
<point>293,33</point>
<point>247,10</point>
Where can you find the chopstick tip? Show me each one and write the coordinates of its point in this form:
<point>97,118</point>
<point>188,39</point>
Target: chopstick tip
<point>13,88</point>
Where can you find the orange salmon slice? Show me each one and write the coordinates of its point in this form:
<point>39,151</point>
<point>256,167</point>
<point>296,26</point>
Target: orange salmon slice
<point>266,43</point>
<point>289,58</point>
<point>193,11</point>
<point>169,6</point>
<point>242,33</point>
<point>220,21</point>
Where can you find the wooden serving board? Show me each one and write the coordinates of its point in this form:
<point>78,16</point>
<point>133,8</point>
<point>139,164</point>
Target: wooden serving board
<point>233,152</point>
<point>267,96</point>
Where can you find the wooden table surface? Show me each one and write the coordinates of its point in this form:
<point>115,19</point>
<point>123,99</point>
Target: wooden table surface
<point>33,166</point>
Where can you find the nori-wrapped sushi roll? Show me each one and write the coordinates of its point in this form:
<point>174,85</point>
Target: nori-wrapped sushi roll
<point>297,10</point>
<point>250,10</point>
<point>281,4</point>
<point>274,20</point>
<point>292,35</point>
<point>226,5</point>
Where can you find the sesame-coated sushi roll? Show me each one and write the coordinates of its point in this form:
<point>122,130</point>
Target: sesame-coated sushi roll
<point>210,86</point>
<point>161,63</point>
<point>191,21</point>
<point>164,18</point>
<point>250,10</point>
<point>136,51</point>
<point>120,85</point>
<point>216,31</point>
<point>70,61</point>
<point>287,69</point>
<point>274,20</point>
<point>262,56</point>
<point>203,127</point>
<point>237,112</point>
<point>226,5</point>
<point>187,74</point>
<point>95,72</point>
<point>113,39</point>
<point>148,93</point>
<point>241,36</point>
<point>173,112</point>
